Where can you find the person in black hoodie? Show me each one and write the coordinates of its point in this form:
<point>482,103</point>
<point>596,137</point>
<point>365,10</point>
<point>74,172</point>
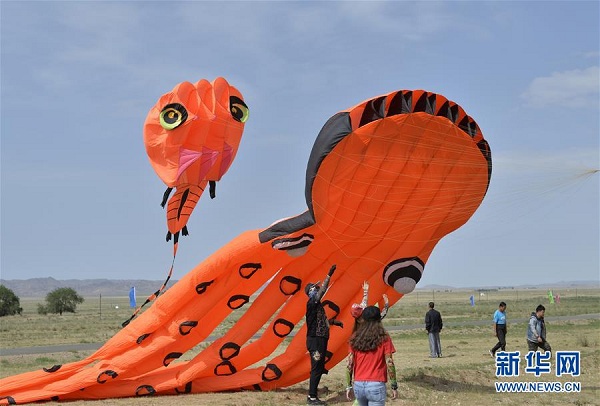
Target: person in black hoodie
<point>433,325</point>
<point>317,334</point>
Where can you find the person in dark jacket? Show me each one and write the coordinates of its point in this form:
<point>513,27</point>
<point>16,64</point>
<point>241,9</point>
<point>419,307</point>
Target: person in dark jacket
<point>433,325</point>
<point>317,334</point>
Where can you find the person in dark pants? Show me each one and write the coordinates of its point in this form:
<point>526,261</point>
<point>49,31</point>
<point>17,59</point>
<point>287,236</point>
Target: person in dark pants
<point>317,334</point>
<point>536,331</point>
<point>433,325</point>
<point>499,329</point>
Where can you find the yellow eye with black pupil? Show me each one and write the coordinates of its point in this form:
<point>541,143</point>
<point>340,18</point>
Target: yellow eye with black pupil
<point>172,116</point>
<point>239,110</point>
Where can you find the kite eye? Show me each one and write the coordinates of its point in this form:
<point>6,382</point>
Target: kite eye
<point>172,116</point>
<point>238,109</point>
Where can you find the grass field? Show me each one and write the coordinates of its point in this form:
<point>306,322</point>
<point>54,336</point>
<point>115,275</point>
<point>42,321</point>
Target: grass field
<point>464,376</point>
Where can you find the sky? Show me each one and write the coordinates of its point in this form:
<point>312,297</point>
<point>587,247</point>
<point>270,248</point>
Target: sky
<point>79,199</point>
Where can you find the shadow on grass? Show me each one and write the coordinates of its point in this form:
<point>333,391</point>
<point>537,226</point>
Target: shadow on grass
<point>326,394</point>
<point>446,385</point>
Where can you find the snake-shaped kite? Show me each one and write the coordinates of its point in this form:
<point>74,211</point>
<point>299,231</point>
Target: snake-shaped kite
<point>386,180</point>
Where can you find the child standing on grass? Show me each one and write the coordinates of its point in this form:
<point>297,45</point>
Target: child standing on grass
<point>356,310</point>
<point>370,361</point>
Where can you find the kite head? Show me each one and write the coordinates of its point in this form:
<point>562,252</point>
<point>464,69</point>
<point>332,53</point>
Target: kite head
<point>400,172</point>
<point>192,133</point>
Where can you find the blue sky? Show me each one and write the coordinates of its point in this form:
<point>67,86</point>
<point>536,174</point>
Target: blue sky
<point>79,199</point>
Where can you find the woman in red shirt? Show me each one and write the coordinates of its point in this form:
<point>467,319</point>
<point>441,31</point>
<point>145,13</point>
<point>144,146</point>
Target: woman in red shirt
<point>370,362</point>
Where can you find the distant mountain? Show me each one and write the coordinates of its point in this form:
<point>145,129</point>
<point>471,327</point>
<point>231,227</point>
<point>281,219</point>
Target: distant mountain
<point>40,287</point>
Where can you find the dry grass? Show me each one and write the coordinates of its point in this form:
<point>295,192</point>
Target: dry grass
<point>464,376</point>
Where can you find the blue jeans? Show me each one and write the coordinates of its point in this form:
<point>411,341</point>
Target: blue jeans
<point>370,393</point>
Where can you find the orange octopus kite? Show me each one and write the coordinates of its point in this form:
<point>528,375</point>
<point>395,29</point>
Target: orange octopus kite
<point>386,180</point>
<point>192,135</point>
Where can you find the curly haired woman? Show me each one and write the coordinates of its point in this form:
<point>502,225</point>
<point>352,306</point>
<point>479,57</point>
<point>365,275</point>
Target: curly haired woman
<point>370,362</point>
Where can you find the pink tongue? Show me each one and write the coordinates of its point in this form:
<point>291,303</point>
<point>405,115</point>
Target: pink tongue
<point>187,157</point>
<point>226,160</point>
<point>207,158</point>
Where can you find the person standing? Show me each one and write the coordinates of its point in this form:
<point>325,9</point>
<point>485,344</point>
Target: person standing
<point>370,361</point>
<point>433,325</point>
<point>499,329</point>
<point>357,308</point>
<point>536,330</point>
<point>317,334</point>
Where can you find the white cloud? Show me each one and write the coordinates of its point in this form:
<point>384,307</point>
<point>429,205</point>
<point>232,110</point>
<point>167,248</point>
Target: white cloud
<point>565,163</point>
<point>570,89</point>
<point>407,21</point>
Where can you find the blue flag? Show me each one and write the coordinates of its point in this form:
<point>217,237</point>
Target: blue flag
<point>472,299</point>
<point>132,297</point>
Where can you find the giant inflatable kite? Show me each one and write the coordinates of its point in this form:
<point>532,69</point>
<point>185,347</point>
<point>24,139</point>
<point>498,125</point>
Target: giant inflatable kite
<point>385,181</point>
<point>191,136</point>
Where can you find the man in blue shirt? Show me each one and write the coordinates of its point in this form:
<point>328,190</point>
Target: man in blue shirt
<point>499,329</point>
